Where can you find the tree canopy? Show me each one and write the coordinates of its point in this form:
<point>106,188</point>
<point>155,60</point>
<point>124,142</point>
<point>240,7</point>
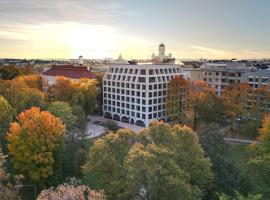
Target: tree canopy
<point>34,141</point>
<point>162,162</point>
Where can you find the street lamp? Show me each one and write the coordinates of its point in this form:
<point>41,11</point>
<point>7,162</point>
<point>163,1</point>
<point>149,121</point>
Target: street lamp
<point>238,125</point>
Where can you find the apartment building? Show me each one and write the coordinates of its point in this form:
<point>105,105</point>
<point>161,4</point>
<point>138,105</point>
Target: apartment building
<point>219,75</point>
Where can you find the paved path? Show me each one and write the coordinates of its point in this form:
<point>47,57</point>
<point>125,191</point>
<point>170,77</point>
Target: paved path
<point>93,129</point>
<point>242,141</point>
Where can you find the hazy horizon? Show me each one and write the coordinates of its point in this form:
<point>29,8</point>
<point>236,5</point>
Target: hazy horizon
<point>65,29</point>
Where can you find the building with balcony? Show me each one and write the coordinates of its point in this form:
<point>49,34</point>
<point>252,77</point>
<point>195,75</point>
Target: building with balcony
<point>258,78</point>
<point>219,75</point>
<point>136,94</point>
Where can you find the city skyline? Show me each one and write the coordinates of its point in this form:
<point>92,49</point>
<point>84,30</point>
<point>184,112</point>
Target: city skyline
<point>99,29</point>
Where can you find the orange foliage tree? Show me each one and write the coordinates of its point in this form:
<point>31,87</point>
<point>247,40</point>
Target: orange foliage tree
<point>201,101</point>
<point>34,142</point>
<point>32,81</point>
<point>82,93</point>
<point>176,99</point>
<point>62,90</point>
<point>235,99</point>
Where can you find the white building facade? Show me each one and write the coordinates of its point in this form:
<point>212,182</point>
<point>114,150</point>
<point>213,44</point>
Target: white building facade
<point>136,94</point>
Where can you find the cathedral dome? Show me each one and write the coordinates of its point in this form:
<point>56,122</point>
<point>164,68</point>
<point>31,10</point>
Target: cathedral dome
<point>161,45</point>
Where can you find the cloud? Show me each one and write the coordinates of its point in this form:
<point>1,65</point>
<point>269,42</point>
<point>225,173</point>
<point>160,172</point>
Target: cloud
<point>54,11</point>
<point>206,51</point>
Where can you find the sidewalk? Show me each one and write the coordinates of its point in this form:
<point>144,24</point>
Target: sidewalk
<point>95,129</point>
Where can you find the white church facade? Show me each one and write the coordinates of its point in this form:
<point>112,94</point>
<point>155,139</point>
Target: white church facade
<point>161,54</point>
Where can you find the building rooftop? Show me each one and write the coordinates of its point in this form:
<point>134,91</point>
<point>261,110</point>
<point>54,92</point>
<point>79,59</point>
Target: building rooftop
<point>69,71</point>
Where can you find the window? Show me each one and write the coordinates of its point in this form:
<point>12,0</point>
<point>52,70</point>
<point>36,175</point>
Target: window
<point>142,79</point>
<point>143,72</point>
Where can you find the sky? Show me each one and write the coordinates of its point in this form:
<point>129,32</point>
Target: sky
<point>190,29</point>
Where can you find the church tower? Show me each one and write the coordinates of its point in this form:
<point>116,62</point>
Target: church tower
<point>161,51</point>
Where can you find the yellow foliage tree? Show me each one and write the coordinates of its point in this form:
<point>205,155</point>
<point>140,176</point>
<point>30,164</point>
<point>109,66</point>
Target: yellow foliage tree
<point>33,143</point>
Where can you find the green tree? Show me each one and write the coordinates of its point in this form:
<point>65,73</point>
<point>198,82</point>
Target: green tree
<point>80,116</point>
<point>111,125</point>
<point>230,173</point>
<point>6,116</point>
<point>79,160</point>
<point>168,163</point>
<point>64,112</point>
<point>105,162</point>
<point>36,145</point>
<point>238,196</point>
<point>165,163</point>
<point>260,160</point>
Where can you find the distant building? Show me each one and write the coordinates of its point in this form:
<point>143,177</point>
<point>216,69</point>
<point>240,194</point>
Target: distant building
<point>258,78</point>
<point>69,71</point>
<point>162,57</point>
<point>80,60</point>
<point>136,94</point>
<point>219,75</point>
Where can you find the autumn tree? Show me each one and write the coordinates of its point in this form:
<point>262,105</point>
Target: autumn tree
<point>176,100</point>
<point>84,94</point>
<point>6,114</point>
<point>9,190</point>
<point>36,145</point>
<point>32,81</point>
<point>62,90</point>
<point>9,72</point>
<point>235,99</point>
<point>201,102</point>
<point>20,96</point>
<point>99,78</point>
<point>71,190</point>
